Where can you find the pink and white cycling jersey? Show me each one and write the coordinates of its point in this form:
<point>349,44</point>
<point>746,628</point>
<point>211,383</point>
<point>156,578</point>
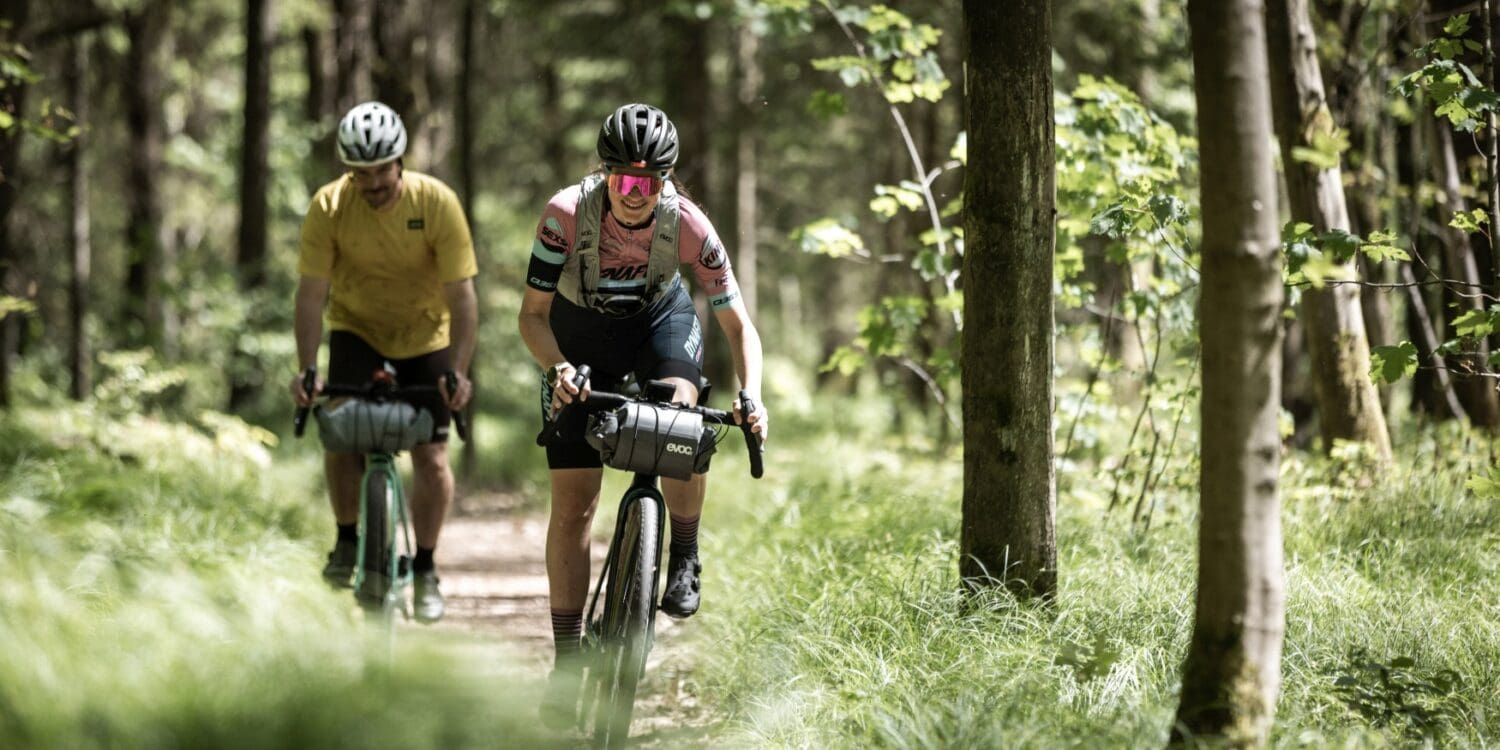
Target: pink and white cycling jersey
<point>624,251</point>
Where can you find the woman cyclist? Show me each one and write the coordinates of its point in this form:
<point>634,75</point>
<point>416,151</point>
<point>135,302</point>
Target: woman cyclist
<point>603,289</point>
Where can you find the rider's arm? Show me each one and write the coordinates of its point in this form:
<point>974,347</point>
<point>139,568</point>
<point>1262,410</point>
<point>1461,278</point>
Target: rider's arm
<point>536,329</point>
<point>744,346</point>
<point>463,305</point>
<point>312,292</point>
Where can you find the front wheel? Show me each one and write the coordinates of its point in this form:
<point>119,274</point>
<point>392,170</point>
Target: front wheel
<point>374,541</point>
<point>629,609</point>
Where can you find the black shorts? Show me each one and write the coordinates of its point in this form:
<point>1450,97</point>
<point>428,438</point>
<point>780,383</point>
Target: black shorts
<point>662,341</point>
<point>352,361</point>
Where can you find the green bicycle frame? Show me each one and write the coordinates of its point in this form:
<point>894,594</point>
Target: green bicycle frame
<point>384,465</point>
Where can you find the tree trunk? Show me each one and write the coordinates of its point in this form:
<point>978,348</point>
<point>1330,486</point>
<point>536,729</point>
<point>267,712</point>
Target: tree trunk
<point>80,267</point>
<point>1348,405</point>
<point>142,82</point>
<point>1009,503</point>
<point>747,56</point>
<point>246,376</point>
<point>352,31</point>
<point>1233,669</point>
<point>394,68</point>
<point>1476,393</point>
<point>12,99</point>
<point>464,153</point>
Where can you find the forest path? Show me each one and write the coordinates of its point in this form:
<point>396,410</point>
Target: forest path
<point>494,578</point>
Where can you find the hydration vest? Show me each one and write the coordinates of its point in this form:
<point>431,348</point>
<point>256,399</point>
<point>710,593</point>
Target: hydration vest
<point>579,283</point>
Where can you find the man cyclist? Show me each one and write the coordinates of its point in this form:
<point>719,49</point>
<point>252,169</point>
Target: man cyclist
<point>389,251</point>
<point>603,289</point>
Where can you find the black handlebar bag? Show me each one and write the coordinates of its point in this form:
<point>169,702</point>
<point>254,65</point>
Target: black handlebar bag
<point>647,439</point>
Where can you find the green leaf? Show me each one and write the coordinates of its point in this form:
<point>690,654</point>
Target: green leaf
<point>1339,244</point>
<point>10,305</point>
<point>1470,222</point>
<point>1457,25</point>
<point>1391,363</point>
<point>830,238</point>
<point>845,360</point>
<point>7,121</point>
<point>1476,323</point>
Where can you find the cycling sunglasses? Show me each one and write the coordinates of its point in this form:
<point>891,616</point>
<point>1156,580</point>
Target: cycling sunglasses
<point>647,184</point>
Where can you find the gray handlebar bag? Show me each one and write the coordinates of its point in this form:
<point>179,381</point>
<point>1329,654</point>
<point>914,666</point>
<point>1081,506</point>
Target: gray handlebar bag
<point>360,426</point>
<point>647,439</point>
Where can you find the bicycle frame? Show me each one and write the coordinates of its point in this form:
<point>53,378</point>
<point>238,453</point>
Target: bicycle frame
<point>377,464</point>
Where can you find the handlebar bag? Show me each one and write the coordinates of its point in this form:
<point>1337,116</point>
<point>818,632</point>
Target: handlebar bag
<point>362,426</point>
<point>648,439</point>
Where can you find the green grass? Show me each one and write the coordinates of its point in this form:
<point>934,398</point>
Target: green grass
<point>833,617</point>
<point>160,590</point>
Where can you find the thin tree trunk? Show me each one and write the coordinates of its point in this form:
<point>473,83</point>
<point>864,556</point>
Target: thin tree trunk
<point>352,37</point>
<point>142,82</point>
<point>1233,670</point>
<point>12,101</point>
<point>1476,393</point>
<point>1491,141</point>
<point>747,53</point>
<point>1009,505</point>
<point>1348,405</point>
<point>251,261</point>
<point>79,357</point>
<point>464,114</point>
<point>319,101</point>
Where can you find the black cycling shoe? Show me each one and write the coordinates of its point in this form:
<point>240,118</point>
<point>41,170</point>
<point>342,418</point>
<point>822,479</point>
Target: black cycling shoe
<point>340,567</point>
<point>681,597</point>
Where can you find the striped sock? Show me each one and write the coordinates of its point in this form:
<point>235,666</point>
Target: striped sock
<point>684,535</point>
<point>567,630</point>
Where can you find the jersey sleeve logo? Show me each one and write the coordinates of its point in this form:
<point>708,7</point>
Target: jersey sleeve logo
<point>414,223</point>
<point>712,255</point>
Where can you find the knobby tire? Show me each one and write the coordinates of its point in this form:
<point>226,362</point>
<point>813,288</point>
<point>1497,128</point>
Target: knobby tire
<point>628,615</point>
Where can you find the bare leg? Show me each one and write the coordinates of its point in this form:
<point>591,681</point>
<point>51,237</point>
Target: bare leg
<point>575,497</point>
<point>344,471</point>
<point>432,491</point>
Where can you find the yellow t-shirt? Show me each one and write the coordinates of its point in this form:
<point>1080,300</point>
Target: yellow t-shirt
<point>388,267</point>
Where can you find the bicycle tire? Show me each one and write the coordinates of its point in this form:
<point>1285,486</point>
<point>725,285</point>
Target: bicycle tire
<point>375,541</point>
<point>628,615</point>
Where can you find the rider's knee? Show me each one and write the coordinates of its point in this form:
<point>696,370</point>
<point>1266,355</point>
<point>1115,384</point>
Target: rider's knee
<point>430,459</point>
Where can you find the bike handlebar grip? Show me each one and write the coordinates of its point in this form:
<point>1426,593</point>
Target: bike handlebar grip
<point>450,379</point>
<point>309,382</point>
<point>752,440</point>
<point>581,376</point>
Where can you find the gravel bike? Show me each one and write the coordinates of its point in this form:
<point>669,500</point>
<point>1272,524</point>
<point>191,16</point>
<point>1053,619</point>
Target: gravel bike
<point>379,420</point>
<point>651,437</point>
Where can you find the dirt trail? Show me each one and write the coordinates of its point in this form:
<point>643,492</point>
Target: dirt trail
<point>494,574</point>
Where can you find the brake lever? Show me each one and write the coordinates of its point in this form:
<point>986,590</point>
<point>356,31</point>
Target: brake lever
<point>752,440</point>
<point>450,379</point>
<point>309,382</point>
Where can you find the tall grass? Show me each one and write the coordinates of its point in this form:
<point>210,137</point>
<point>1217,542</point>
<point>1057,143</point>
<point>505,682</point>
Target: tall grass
<point>833,616</point>
<point>160,590</point>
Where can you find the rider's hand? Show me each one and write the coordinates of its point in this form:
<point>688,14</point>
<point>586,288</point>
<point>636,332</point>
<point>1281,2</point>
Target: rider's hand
<point>460,396</point>
<point>760,420</point>
<point>564,391</point>
<point>301,396</point>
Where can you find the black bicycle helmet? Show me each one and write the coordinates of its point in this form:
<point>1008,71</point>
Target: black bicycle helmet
<point>637,134</point>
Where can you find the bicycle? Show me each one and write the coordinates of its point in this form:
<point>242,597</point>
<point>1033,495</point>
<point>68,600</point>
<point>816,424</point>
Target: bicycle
<point>378,420</point>
<point>650,437</point>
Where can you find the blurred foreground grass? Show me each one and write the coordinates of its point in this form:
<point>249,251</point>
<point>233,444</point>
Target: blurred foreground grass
<point>160,590</point>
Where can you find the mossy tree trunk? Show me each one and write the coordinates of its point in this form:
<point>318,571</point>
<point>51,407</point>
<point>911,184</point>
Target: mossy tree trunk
<point>1009,499</point>
<point>1348,404</point>
<point>1233,669</point>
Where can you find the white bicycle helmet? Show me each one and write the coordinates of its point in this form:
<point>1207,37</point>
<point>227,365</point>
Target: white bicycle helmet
<point>371,134</point>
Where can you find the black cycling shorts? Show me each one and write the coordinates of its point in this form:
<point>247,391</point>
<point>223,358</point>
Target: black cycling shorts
<point>352,361</point>
<point>663,341</point>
